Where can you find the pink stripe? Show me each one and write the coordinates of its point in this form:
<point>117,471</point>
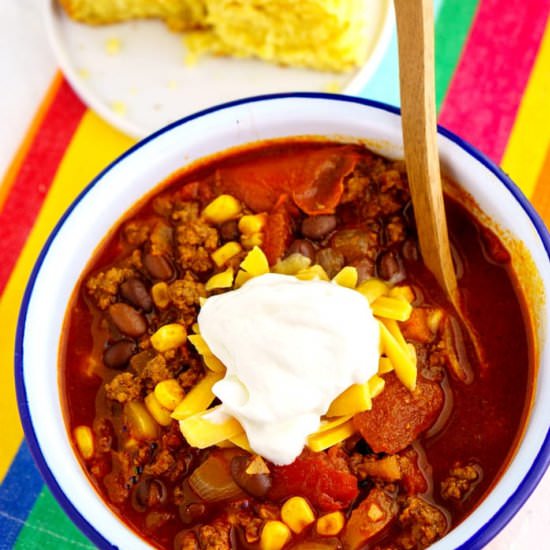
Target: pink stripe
<point>490,79</point>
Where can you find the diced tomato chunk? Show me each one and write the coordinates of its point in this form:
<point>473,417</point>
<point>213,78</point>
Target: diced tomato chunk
<point>314,476</point>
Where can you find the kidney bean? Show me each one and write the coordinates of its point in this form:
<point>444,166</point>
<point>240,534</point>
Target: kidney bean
<point>128,320</point>
<point>389,267</point>
<point>118,355</point>
<point>256,485</point>
<point>303,247</point>
<point>148,493</point>
<point>191,513</point>
<point>330,260</point>
<point>229,231</point>
<point>134,291</point>
<point>318,227</point>
<point>159,267</point>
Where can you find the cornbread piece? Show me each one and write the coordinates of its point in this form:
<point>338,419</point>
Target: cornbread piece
<point>179,15</point>
<point>328,35</point>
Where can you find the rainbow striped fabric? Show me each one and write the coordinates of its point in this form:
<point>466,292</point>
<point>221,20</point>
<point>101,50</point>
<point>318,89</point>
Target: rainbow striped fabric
<point>493,89</point>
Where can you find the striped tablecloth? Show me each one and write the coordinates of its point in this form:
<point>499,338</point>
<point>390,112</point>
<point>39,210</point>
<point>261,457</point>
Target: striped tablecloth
<point>493,89</point>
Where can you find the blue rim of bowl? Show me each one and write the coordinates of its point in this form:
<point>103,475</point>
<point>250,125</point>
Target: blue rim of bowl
<point>485,533</point>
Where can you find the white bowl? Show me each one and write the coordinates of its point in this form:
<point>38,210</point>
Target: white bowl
<point>118,187</point>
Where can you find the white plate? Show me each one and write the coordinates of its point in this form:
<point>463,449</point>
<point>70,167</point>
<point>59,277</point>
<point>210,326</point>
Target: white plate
<point>146,84</point>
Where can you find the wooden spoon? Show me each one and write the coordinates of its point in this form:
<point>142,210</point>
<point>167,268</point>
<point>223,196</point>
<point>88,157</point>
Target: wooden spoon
<point>415,32</point>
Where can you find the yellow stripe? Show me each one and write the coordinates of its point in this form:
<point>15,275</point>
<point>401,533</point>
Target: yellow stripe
<point>529,140</point>
<point>93,146</point>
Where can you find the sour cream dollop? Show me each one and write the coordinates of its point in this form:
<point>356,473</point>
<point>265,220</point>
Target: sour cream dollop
<point>290,348</point>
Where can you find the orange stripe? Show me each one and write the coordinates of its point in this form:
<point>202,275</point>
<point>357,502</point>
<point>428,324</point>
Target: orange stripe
<point>9,178</point>
<point>541,196</point>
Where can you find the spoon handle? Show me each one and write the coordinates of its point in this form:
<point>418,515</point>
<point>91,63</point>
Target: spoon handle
<point>415,31</point>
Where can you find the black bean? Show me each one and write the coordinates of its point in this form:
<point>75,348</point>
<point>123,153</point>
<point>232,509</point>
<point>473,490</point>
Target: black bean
<point>330,260</point>
<point>303,247</point>
<point>256,485</point>
<point>318,227</point>
<point>229,231</point>
<point>410,250</point>
<point>128,320</point>
<point>118,355</point>
<point>134,291</point>
<point>149,493</point>
<point>365,269</point>
<point>389,267</point>
<point>159,267</point>
<point>191,513</point>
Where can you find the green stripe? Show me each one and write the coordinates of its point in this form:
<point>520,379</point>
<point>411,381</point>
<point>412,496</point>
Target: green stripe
<point>451,30</point>
<point>48,527</point>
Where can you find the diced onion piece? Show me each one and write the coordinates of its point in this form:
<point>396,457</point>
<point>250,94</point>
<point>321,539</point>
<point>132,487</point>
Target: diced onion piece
<point>169,393</point>
<point>312,273</point>
<point>84,439</point>
<point>199,397</point>
<point>142,425</point>
<point>252,223</point>
<point>347,277</point>
<point>373,289</point>
<point>222,209</point>
<point>157,411</point>
<point>255,262</point>
<point>384,365</point>
<point>401,359</point>
<point>331,524</point>
<point>297,513</point>
<point>212,480</point>
<point>376,385</point>
<point>391,308</point>
<point>275,535</point>
<point>225,252</point>
<point>209,427</point>
<point>292,264</point>
<point>354,400</point>
<point>323,440</point>
<point>220,280</point>
<point>169,337</point>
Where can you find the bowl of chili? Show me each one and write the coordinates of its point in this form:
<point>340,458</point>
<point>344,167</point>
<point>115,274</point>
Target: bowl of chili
<point>317,182</point>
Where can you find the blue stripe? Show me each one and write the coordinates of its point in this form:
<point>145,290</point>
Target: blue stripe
<point>18,493</point>
<point>384,84</point>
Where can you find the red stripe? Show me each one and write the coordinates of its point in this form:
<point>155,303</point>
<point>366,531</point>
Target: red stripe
<point>486,91</point>
<point>35,176</point>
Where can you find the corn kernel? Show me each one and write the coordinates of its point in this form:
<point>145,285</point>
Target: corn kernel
<point>252,223</point>
<point>169,393</point>
<point>275,535</point>
<point>373,289</point>
<point>226,252</point>
<point>140,422</point>
<point>160,295</point>
<point>297,514</point>
<point>222,209</point>
<point>241,278</point>
<point>312,273</point>
<point>347,277</point>
<point>157,411</point>
<point>84,441</point>
<point>292,264</point>
<point>404,292</point>
<point>255,262</point>
<point>330,524</point>
<point>220,280</point>
<point>250,241</point>
<point>169,337</point>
